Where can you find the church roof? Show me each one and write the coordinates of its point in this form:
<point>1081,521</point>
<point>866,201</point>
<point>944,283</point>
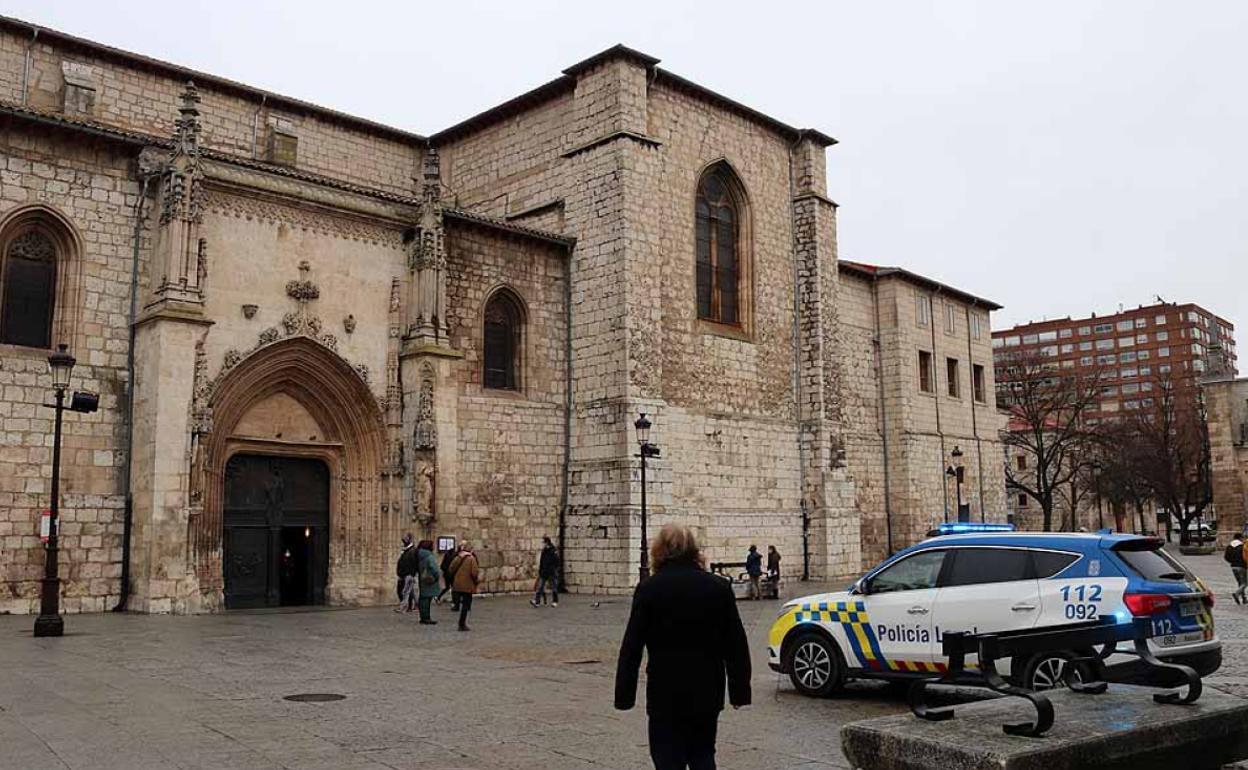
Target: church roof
<point>203,78</point>
<point>567,83</point>
<point>875,272</point>
<point>558,86</point>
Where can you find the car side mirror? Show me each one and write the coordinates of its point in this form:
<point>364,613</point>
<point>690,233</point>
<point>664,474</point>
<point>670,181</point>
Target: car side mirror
<point>859,587</point>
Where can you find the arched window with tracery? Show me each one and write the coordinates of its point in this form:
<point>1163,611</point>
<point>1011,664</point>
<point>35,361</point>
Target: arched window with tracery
<point>720,228</point>
<point>504,330</point>
<point>28,261</point>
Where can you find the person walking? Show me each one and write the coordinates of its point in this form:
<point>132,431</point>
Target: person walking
<point>686,620</point>
<point>1234,556</point>
<point>467,576</point>
<point>406,570</point>
<point>754,568</point>
<point>427,577</point>
<point>773,564</point>
<point>447,557</point>
<point>547,574</point>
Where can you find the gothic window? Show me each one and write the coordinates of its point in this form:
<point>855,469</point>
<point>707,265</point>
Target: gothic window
<point>720,227</point>
<point>503,334</point>
<point>27,288</point>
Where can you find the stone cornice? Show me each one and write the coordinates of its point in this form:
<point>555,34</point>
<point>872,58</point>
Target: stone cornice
<point>611,137</point>
<point>173,312</point>
<point>816,196</point>
<point>413,348</point>
<point>228,175</point>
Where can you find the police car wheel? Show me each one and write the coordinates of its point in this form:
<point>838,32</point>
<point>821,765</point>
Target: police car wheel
<point>1046,671</point>
<point>814,665</point>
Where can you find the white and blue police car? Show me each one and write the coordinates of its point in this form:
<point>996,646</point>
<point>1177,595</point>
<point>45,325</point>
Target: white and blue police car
<point>988,578</point>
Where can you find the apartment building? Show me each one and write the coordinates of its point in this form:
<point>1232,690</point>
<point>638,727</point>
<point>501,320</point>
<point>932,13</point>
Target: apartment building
<point>1131,350</point>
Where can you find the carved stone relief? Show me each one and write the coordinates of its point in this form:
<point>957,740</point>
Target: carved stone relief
<point>300,322</point>
<point>426,435</point>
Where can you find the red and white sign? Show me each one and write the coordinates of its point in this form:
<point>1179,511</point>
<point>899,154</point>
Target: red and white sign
<point>45,525</point>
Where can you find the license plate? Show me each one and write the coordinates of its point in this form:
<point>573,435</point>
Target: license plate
<point>1170,640</point>
<point>1189,608</point>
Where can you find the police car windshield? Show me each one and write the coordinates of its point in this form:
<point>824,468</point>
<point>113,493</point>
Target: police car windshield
<point>1155,564</point>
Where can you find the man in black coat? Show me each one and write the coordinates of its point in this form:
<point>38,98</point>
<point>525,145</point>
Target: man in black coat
<point>547,574</point>
<point>686,619</point>
<point>406,570</point>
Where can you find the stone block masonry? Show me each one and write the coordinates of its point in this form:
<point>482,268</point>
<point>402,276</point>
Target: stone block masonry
<point>329,303</point>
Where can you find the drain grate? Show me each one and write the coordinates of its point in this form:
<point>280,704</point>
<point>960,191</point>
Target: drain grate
<point>315,697</point>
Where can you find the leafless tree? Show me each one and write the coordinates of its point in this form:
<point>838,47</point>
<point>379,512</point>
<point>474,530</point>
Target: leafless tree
<point>1047,426</point>
<point>1171,449</point>
<point>1114,471</point>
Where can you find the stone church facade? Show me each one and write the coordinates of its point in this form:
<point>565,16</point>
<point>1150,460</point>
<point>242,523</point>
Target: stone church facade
<point>312,333</point>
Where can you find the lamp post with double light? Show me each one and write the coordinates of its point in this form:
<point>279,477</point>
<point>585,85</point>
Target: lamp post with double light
<point>61,365</point>
<point>958,472</point>
<point>644,450</point>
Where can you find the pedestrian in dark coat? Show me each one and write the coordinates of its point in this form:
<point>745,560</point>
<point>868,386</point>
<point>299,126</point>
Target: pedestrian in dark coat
<point>427,576</point>
<point>1234,556</point>
<point>547,574</point>
<point>407,568</point>
<point>773,563</point>
<point>447,558</point>
<point>686,620</point>
<point>754,568</point>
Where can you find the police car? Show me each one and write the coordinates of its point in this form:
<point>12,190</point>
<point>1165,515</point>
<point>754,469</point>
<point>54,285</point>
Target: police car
<point>984,578</point>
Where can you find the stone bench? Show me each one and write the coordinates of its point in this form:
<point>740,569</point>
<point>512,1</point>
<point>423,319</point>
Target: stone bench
<point>1120,728</point>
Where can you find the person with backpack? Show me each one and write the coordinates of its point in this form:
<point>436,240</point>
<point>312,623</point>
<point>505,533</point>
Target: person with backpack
<point>547,574</point>
<point>1235,557</point>
<point>427,576</point>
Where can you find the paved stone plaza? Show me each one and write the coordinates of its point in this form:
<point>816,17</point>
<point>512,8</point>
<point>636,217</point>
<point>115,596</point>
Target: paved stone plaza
<point>526,689</point>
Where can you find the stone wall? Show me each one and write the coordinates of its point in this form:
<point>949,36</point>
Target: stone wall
<point>722,402</point>
<point>921,429</point>
<point>1226,402</point>
<point>86,188</point>
<point>505,460</point>
<point>782,419</point>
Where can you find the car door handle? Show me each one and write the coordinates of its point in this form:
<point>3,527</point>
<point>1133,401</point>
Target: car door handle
<point>917,610</point>
<point>1023,607</point>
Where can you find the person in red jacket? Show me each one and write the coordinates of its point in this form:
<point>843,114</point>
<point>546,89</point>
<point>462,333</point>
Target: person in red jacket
<point>686,620</point>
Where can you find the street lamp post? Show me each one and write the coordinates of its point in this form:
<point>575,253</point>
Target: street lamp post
<point>61,365</point>
<point>49,622</point>
<point>958,472</point>
<point>645,450</point>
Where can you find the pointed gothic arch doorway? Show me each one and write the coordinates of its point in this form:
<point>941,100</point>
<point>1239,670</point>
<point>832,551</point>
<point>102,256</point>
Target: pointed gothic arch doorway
<point>294,451</point>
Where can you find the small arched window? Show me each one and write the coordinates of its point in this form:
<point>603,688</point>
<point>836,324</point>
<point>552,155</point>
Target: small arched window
<point>28,259</point>
<point>504,322</point>
<point>719,248</point>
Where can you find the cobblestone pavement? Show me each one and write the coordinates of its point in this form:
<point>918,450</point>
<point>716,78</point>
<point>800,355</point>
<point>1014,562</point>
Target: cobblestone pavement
<point>527,688</point>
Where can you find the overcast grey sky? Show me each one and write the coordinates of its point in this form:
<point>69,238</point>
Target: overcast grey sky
<point>1057,157</point>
